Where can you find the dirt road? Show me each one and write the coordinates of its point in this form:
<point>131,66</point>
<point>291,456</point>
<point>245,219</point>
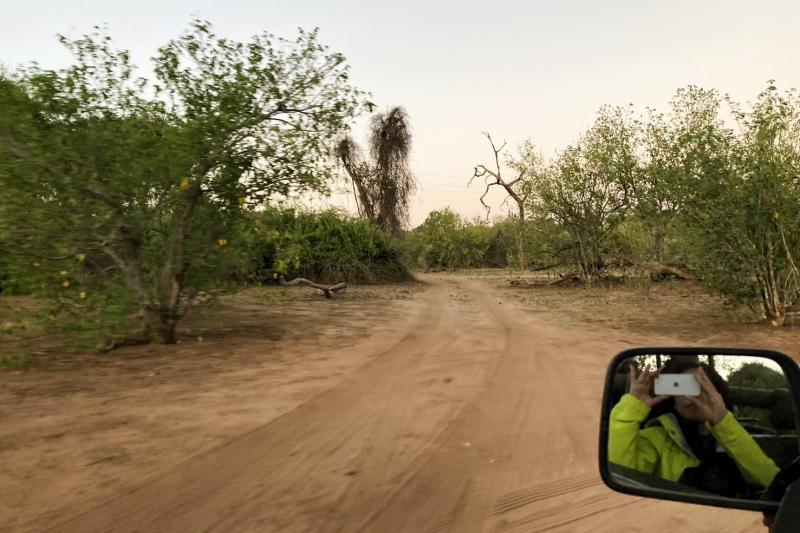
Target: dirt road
<point>475,418</point>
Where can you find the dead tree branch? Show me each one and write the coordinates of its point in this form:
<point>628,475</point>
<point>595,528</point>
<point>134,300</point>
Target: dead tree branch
<point>493,178</point>
<point>328,291</point>
<point>658,272</point>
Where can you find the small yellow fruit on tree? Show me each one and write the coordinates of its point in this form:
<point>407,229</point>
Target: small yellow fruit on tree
<point>82,295</point>
<point>184,184</point>
<point>223,242</point>
<point>65,284</point>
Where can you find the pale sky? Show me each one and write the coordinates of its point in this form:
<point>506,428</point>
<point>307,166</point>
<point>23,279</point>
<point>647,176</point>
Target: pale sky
<point>514,68</point>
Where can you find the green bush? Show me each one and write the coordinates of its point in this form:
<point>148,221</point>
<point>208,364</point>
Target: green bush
<point>756,376</point>
<point>4,273</point>
<point>445,240</point>
<point>327,246</point>
<point>12,280</point>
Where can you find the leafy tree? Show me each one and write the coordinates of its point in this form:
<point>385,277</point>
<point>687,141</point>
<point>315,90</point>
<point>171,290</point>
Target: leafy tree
<point>632,243</point>
<point>586,188</point>
<point>741,199</point>
<point>653,198</point>
<point>438,242</point>
<point>446,240</point>
<point>385,184</point>
<point>757,376</point>
<point>501,250</point>
<point>116,191</point>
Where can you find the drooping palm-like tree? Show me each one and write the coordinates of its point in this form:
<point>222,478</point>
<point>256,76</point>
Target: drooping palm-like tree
<point>383,186</point>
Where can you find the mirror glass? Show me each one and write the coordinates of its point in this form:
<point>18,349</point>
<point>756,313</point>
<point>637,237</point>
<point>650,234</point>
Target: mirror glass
<point>715,425</point>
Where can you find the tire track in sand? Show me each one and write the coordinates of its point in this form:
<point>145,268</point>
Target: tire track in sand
<point>391,448</point>
<point>294,472</point>
<point>512,431</point>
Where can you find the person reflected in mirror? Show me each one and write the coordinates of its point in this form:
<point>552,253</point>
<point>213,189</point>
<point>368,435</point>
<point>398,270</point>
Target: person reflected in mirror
<point>692,440</point>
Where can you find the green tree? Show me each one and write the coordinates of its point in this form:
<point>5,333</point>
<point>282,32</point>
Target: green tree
<point>653,199</point>
<point>437,240</point>
<point>446,240</point>
<point>118,191</point>
<point>757,376</point>
<point>586,188</point>
<point>741,200</point>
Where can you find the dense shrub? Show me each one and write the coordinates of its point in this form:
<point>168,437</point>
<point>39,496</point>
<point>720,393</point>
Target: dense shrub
<point>447,240</point>
<point>327,246</point>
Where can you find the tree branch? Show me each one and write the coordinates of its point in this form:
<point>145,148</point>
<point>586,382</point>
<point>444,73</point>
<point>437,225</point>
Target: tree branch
<point>103,197</point>
<point>328,291</point>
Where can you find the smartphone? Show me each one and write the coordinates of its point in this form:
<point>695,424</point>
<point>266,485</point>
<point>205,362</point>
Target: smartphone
<point>677,385</point>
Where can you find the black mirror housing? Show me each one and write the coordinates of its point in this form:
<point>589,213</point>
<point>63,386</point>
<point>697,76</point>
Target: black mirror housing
<point>783,402</point>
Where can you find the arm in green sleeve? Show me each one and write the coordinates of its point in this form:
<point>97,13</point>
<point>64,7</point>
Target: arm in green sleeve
<point>754,464</point>
<point>626,445</point>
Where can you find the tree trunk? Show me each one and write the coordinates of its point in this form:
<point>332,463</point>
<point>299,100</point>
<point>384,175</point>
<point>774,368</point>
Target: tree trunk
<point>522,262</point>
<point>167,332</point>
<point>659,246</point>
<point>176,264</point>
<point>366,203</point>
<point>776,320</point>
<point>774,307</point>
<point>589,260</point>
<point>775,312</point>
<point>160,324</point>
<point>365,207</point>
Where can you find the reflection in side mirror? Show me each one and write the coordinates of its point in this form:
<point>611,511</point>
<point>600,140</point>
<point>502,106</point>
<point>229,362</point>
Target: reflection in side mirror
<point>711,426</point>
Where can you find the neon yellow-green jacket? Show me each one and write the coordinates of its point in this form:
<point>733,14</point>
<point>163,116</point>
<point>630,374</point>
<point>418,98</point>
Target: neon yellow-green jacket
<point>661,449</point>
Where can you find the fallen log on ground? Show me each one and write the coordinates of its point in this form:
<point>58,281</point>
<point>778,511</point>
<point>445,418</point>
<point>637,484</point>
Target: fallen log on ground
<point>328,291</point>
<point>545,267</point>
<point>660,272</point>
<point>571,279</point>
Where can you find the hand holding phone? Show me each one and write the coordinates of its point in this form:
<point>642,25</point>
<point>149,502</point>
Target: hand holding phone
<point>641,383</point>
<point>677,385</point>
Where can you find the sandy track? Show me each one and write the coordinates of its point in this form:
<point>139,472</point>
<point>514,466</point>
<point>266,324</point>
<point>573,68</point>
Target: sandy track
<point>466,423</point>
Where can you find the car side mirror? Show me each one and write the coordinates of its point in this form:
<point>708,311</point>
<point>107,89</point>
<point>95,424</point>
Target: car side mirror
<point>710,426</point>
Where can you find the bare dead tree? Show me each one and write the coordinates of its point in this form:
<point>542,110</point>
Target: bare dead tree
<point>390,147</point>
<point>514,189</point>
<point>361,174</point>
<point>384,185</point>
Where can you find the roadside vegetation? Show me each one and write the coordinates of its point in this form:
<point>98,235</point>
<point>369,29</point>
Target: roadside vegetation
<point>708,190</point>
<point>125,200</point>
